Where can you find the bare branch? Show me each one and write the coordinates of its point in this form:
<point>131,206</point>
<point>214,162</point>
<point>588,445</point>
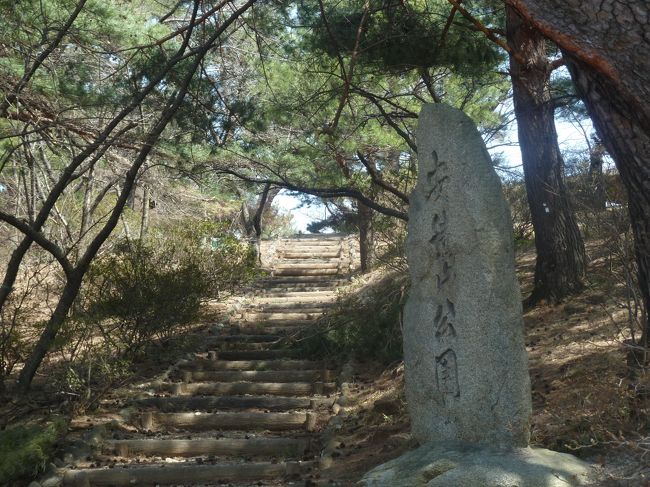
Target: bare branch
<point>377,179</point>
<point>40,239</point>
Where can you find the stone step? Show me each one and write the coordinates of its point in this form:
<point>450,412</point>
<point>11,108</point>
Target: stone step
<point>256,376</point>
<point>286,447</point>
<point>241,421</point>
<point>208,403</point>
<point>162,474</point>
<point>251,388</point>
<point>208,364</point>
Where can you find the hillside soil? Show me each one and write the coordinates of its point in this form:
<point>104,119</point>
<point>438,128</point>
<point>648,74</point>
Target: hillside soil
<point>584,403</point>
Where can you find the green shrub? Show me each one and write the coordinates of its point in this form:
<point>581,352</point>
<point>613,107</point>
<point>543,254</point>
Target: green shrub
<point>26,450</point>
<point>365,324</point>
<point>145,290</point>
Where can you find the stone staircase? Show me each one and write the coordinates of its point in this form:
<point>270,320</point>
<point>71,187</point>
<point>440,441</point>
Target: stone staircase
<point>246,409</point>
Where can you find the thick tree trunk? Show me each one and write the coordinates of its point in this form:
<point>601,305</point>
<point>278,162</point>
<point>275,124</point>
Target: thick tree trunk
<point>630,144</point>
<point>607,45</point>
<point>560,250</point>
<point>366,237</point>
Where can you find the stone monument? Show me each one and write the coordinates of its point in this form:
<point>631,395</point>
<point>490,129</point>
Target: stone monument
<point>467,383</point>
<point>466,363</point>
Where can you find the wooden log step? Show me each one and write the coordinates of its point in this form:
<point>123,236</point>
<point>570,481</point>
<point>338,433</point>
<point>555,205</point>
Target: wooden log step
<point>278,325</point>
<point>278,315</point>
<point>291,329</point>
<point>292,271</point>
<point>207,364</point>
<point>298,288</point>
<point>309,255</point>
<point>243,346</point>
<point>310,307</point>
<point>307,265</point>
<point>312,246</point>
<point>221,421</point>
<point>253,388</point>
<point>298,298</point>
<point>207,403</point>
<point>161,474</point>
<point>289,290</point>
<point>286,447</point>
<point>304,283</point>
<point>245,338</point>
<point>256,354</point>
<point>255,375</point>
<point>315,280</point>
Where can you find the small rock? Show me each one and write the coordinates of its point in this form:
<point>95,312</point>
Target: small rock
<point>34,484</point>
<point>53,481</point>
<point>398,440</point>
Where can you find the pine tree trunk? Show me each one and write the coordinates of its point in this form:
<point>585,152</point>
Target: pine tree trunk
<point>598,199</point>
<point>560,249</point>
<point>607,46</point>
<point>630,146</point>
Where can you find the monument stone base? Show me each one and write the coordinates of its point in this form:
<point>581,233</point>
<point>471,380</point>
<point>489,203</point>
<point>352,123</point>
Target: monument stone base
<point>464,465</point>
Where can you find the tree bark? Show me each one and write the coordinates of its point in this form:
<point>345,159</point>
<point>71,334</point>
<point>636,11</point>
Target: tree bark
<point>598,199</point>
<point>560,249</point>
<point>144,222</point>
<point>366,238</point>
<point>607,46</point>
<point>66,300</point>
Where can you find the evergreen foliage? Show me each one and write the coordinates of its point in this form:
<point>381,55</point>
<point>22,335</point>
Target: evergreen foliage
<point>25,450</point>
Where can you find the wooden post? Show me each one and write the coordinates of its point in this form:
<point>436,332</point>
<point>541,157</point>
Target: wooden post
<point>326,375</point>
<point>146,420</point>
<point>122,450</point>
<point>310,423</point>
